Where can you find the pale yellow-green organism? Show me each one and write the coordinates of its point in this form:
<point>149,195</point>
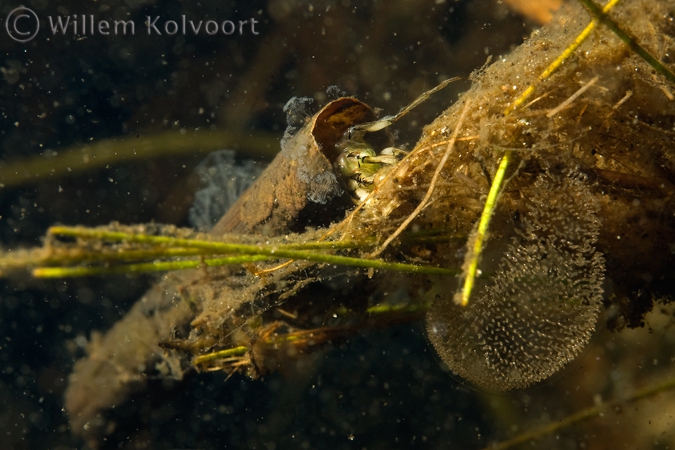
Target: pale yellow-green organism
<point>358,164</point>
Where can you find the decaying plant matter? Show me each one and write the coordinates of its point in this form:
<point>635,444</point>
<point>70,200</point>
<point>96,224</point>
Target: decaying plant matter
<point>585,218</point>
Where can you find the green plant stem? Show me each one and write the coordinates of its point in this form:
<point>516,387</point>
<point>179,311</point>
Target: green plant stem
<point>221,354</point>
<point>582,415</point>
<point>159,266</point>
<point>628,38</point>
<point>274,251</point>
<point>99,154</point>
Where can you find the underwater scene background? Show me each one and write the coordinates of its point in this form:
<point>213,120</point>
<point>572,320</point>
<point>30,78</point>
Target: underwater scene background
<point>99,128</point>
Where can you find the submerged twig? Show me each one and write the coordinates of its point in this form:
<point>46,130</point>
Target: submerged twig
<point>623,100</point>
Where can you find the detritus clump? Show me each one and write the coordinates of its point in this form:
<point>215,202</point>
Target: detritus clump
<point>325,186</point>
<point>334,92</point>
<point>539,309</point>
<point>224,180</point>
<point>298,110</point>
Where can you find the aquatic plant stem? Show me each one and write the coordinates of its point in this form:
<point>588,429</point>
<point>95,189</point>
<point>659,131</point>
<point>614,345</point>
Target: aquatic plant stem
<point>100,154</point>
<point>628,38</point>
<point>584,414</point>
<point>555,65</point>
<point>481,232</point>
<point>271,251</point>
<point>157,266</point>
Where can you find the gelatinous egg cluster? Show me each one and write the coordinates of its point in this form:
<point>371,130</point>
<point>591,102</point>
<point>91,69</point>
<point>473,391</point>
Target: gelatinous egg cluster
<point>538,309</point>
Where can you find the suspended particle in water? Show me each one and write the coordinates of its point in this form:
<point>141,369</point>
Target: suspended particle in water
<point>334,92</point>
<point>539,309</point>
<point>224,180</point>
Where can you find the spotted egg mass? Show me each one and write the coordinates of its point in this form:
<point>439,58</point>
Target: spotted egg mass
<point>539,309</point>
